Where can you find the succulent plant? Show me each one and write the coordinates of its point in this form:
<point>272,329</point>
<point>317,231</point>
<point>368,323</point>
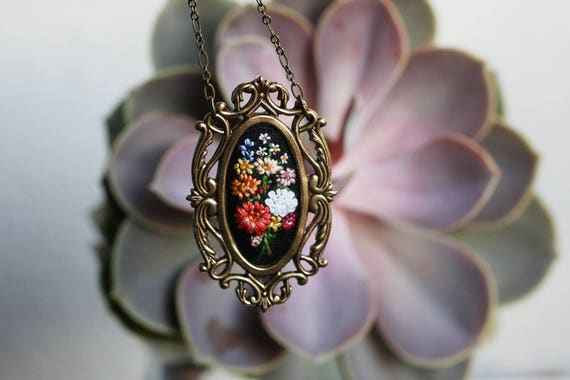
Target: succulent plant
<point>434,226</point>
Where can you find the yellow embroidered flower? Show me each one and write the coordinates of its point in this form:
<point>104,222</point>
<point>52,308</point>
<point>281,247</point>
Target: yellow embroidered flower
<point>275,223</point>
<point>243,166</point>
<point>244,186</point>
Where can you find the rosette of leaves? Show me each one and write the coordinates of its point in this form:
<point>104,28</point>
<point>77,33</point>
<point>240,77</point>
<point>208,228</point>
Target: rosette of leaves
<point>435,224</point>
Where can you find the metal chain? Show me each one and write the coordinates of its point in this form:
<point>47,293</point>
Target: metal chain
<point>296,88</point>
<point>203,60</point>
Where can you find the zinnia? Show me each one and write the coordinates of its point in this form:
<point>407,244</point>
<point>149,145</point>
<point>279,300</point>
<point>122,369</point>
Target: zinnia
<point>253,217</point>
<point>245,186</point>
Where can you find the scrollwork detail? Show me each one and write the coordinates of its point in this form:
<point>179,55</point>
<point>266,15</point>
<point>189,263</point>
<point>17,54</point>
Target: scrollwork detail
<point>254,98</point>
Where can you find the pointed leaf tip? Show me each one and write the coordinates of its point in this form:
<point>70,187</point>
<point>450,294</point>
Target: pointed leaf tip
<point>219,329</point>
<point>333,310</point>
<point>434,296</point>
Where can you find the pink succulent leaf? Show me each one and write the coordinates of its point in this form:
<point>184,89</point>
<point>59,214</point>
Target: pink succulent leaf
<point>312,10</point>
<point>443,184</point>
<point>144,270</point>
<point>519,254</point>
<point>173,41</point>
<point>370,359</point>
<point>136,155</point>
<point>419,19</point>
<point>336,307</point>
<point>172,180</point>
<point>518,164</point>
<point>440,91</point>
<point>295,34</point>
<point>219,329</point>
<point>245,58</point>
<point>434,296</point>
<point>296,367</point>
<point>356,62</point>
<point>176,91</point>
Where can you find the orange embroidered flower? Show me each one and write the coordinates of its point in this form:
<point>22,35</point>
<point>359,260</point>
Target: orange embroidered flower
<point>244,186</point>
<point>253,217</point>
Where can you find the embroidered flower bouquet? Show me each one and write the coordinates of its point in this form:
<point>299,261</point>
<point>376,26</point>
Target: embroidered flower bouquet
<point>266,204</point>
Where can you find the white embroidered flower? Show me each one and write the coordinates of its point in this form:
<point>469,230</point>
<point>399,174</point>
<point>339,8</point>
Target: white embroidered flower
<point>261,152</point>
<point>267,166</point>
<point>256,240</point>
<point>281,202</point>
<point>285,158</point>
<point>274,148</point>
<point>287,177</point>
<point>264,137</point>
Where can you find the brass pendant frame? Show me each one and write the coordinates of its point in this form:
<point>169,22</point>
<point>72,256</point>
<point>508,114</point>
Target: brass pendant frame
<point>261,101</point>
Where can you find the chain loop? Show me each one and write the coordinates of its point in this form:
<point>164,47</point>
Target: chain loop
<point>203,59</point>
<point>296,88</point>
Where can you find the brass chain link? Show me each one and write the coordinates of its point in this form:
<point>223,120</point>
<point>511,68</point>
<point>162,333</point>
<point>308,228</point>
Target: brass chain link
<point>203,60</point>
<point>296,88</point>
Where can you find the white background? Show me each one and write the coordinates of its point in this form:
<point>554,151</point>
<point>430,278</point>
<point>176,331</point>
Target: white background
<point>65,63</point>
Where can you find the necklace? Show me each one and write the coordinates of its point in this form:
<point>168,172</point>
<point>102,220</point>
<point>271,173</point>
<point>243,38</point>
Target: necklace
<point>262,183</point>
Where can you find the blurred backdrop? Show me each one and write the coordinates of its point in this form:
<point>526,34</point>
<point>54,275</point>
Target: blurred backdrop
<point>65,63</point>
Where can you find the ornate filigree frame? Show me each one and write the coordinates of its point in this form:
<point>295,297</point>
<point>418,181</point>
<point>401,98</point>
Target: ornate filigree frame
<point>261,100</point>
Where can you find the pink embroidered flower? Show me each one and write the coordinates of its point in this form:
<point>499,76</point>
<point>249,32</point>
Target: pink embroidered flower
<point>286,177</point>
<point>256,240</point>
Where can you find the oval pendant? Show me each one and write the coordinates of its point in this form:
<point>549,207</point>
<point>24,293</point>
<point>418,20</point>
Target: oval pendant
<point>262,196</point>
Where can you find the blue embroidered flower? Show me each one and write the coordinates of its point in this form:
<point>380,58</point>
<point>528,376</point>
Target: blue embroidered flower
<point>248,154</point>
<point>247,144</point>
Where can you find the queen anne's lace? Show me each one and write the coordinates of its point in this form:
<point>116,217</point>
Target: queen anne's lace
<point>281,202</point>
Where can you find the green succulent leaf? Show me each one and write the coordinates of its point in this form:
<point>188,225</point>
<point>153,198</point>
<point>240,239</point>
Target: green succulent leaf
<point>296,367</point>
<point>143,274</point>
<point>173,41</point>
<point>115,122</point>
<point>518,254</point>
<point>419,20</point>
<point>370,359</point>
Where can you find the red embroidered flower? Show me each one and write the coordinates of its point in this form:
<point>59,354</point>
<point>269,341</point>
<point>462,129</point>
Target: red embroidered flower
<point>288,221</point>
<point>253,217</point>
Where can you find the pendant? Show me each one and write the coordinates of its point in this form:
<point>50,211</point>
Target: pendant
<point>262,193</point>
